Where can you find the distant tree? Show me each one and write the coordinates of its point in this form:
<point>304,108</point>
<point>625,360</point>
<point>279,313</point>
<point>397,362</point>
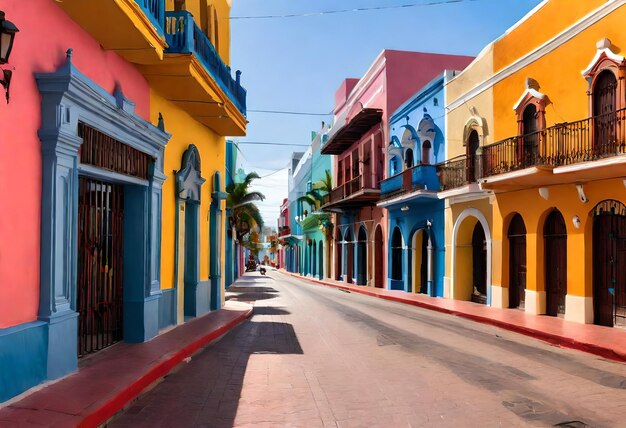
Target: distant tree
<point>319,189</point>
<point>245,215</point>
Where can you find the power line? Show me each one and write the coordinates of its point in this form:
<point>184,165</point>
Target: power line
<point>297,113</point>
<point>358,9</point>
<point>267,143</point>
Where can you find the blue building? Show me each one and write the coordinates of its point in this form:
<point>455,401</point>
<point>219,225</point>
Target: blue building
<point>292,239</point>
<point>416,252</point>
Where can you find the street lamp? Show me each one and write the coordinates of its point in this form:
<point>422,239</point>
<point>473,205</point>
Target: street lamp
<point>7,35</point>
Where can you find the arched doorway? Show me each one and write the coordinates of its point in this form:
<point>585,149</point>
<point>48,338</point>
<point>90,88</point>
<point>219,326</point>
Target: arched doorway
<point>396,259</point>
<point>408,158</point>
<point>479,264</point>
<point>530,146</point>
<point>517,262</point>
<point>604,108</point>
<point>312,248</point>
<point>349,256</point>
<point>362,257</point>
<point>338,255</point>
<point>473,142</point>
<point>378,258</point>
<point>609,263</point>
<point>426,149</point>
<point>555,237</point>
<point>320,260</point>
<point>421,255</point>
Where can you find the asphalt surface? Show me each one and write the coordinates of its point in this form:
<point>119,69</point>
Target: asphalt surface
<point>317,356</point>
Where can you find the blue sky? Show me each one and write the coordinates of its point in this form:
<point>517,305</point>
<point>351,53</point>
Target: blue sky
<point>296,64</point>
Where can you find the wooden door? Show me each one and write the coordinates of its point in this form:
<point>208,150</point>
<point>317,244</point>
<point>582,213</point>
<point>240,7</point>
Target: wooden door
<point>604,108</point>
<point>517,262</point>
<point>473,143</point>
<point>555,239</point>
<point>424,264</point>
<point>530,139</point>
<point>609,262</point>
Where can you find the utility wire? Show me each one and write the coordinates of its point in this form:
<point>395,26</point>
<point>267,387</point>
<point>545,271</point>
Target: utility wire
<point>357,9</point>
<point>296,113</point>
<point>267,143</point>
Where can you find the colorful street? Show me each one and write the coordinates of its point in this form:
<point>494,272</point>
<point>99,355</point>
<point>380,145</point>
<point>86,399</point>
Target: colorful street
<point>365,213</point>
<point>314,356</point>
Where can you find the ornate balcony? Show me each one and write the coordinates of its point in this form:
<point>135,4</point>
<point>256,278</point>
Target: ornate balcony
<point>284,231</point>
<point>419,181</point>
<point>356,193</point>
<point>593,148</point>
<point>193,76</point>
<point>138,35</point>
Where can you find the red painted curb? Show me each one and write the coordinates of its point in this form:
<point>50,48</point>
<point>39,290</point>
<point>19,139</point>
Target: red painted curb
<point>107,409</point>
<point>554,339</point>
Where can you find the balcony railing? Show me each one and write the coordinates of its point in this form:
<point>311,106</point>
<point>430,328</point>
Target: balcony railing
<point>568,143</point>
<point>347,190</point>
<point>454,173</point>
<point>155,11</point>
<point>418,177</point>
<point>184,36</point>
<point>285,230</point>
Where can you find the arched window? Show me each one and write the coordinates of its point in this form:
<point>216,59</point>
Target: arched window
<point>179,5</point>
<point>473,142</point>
<point>604,111</point>
<point>529,120</point>
<point>426,149</point>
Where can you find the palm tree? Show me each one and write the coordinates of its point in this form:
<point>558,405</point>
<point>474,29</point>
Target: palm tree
<point>321,188</point>
<point>244,215</point>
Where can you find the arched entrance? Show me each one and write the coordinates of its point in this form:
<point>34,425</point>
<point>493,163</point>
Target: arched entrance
<point>396,260</point>
<point>349,256</point>
<point>312,248</point>
<point>338,255</point>
<point>609,263</point>
<point>361,278</point>
<point>471,251</point>
<point>378,258</point>
<point>555,237</point>
<point>517,262</point>
<point>479,264</point>
<point>320,260</point>
<point>408,158</point>
<point>421,248</point>
<point>604,108</point>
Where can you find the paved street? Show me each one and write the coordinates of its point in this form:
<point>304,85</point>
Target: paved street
<point>315,356</point>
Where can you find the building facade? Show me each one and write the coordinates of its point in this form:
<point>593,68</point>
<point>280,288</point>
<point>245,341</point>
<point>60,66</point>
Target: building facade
<point>359,141</point>
<point>96,150</point>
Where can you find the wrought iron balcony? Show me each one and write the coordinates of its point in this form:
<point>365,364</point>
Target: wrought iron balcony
<point>418,177</point>
<point>284,231</point>
<point>455,173</point>
<point>355,193</point>
<point>155,11</point>
<point>184,36</point>
<point>563,144</point>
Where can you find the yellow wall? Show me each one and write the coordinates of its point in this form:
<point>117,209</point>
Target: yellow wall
<point>559,72</point>
<point>458,118</point>
<point>185,131</point>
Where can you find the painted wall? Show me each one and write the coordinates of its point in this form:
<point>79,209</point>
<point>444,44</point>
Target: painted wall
<point>45,34</point>
<point>185,131</point>
<point>566,89</point>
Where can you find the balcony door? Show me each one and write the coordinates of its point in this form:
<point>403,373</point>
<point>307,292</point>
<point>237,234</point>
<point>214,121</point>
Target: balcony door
<point>604,112</point>
<point>530,140</point>
<point>473,142</point>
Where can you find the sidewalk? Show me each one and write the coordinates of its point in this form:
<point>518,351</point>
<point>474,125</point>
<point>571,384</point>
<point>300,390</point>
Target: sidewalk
<point>108,380</point>
<point>606,342</point>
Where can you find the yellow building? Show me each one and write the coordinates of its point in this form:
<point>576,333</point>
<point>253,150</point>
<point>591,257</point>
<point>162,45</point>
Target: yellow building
<point>554,162</point>
<point>182,48</point>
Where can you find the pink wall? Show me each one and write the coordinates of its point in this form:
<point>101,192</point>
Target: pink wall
<point>45,34</point>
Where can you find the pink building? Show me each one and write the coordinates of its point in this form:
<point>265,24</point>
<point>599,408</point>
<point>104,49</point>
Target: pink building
<point>358,141</point>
